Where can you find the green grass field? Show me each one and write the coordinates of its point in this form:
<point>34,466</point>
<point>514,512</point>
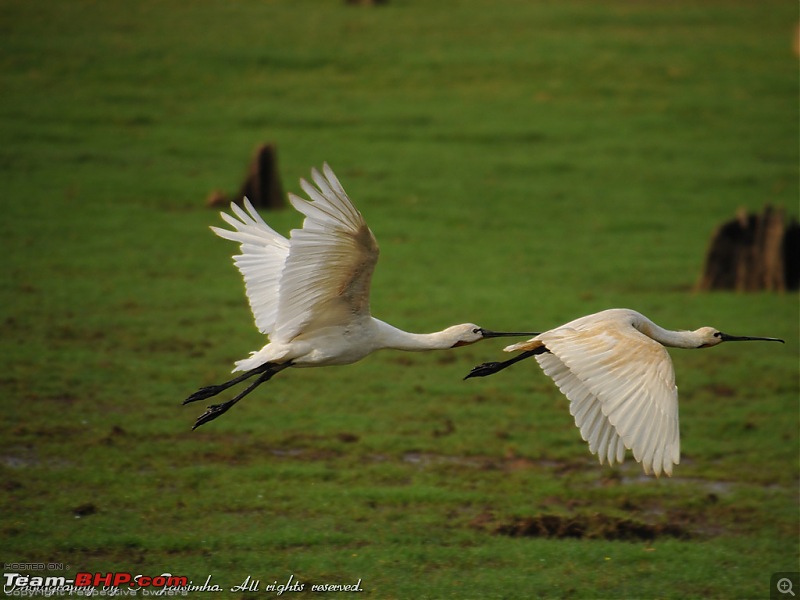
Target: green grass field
<point>521,164</point>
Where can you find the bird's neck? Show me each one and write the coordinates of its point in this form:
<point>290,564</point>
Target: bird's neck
<point>667,337</point>
<point>397,339</point>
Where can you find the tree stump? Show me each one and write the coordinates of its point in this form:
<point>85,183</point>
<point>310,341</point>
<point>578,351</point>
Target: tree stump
<point>754,252</point>
<point>262,184</point>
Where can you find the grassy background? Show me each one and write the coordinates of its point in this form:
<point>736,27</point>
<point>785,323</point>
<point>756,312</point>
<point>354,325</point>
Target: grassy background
<point>520,163</point>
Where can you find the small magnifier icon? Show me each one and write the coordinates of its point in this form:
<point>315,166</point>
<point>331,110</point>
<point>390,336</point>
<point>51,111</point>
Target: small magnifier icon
<point>784,586</point>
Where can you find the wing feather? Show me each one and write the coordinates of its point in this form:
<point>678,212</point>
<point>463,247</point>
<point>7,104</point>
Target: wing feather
<point>263,255</point>
<point>326,280</point>
<point>621,387</point>
<point>320,276</point>
<point>584,408</point>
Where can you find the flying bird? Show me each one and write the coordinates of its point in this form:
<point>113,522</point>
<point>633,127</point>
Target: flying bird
<point>618,377</point>
<point>310,294</point>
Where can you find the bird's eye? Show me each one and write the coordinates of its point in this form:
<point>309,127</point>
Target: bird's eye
<point>476,330</point>
<point>717,334</point>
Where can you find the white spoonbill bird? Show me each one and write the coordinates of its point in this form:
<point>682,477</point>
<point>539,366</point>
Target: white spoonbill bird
<point>618,377</point>
<point>310,294</point>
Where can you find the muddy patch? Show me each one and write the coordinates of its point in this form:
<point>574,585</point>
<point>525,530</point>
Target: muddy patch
<point>593,527</point>
<point>84,510</point>
<point>424,459</point>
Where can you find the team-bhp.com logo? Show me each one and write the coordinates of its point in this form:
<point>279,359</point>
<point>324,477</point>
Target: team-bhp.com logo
<point>84,582</point>
<point>120,579</point>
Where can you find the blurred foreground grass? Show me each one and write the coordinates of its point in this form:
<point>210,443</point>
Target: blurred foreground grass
<point>520,163</point>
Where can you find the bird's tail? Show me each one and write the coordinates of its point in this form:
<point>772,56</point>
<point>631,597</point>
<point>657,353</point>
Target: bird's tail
<point>531,344</point>
<point>255,360</point>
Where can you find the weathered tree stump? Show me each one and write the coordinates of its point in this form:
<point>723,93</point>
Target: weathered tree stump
<point>262,184</point>
<point>754,252</point>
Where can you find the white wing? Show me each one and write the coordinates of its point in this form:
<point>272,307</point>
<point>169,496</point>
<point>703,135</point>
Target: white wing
<point>326,280</point>
<point>262,258</point>
<point>593,424</point>
<point>621,387</point>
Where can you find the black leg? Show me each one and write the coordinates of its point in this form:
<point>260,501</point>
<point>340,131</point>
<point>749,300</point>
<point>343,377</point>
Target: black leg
<point>490,368</point>
<point>213,390</point>
<point>215,410</point>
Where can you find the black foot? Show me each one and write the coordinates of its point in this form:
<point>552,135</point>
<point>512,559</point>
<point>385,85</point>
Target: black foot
<point>489,368</point>
<point>212,412</point>
<point>205,392</point>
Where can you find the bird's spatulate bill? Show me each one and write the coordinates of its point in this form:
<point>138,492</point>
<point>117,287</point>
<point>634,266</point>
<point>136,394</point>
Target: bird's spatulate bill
<point>746,338</point>
<point>488,333</point>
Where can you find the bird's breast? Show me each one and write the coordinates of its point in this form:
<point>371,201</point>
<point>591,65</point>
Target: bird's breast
<point>334,346</point>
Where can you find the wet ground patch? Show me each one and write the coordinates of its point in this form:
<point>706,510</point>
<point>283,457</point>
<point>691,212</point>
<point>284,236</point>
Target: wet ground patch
<point>595,526</point>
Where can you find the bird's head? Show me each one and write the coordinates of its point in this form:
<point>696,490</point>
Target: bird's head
<point>709,336</point>
<point>469,333</point>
